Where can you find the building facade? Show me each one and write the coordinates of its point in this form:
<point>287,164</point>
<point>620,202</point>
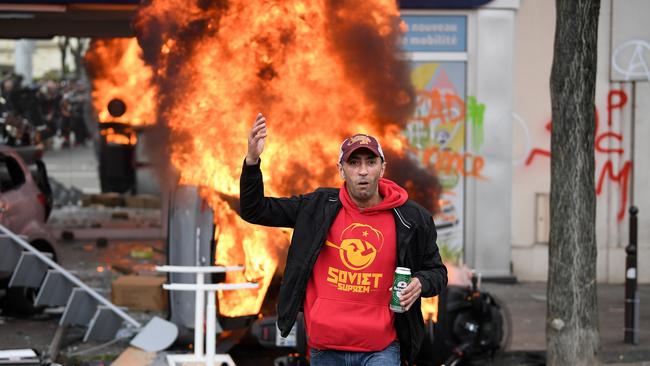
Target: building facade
<point>622,157</point>
<point>37,57</point>
<point>482,125</point>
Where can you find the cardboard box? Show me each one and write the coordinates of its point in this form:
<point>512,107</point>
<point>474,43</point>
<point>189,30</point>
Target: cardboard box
<point>140,292</point>
<point>135,357</point>
<point>142,201</point>
<point>110,199</point>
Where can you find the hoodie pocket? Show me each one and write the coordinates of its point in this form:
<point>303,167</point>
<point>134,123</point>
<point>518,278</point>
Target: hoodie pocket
<point>349,325</point>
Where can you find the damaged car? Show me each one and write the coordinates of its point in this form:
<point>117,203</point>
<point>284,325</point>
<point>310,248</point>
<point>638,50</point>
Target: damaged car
<point>25,206</point>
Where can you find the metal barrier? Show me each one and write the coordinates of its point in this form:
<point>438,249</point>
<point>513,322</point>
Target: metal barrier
<point>83,305</point>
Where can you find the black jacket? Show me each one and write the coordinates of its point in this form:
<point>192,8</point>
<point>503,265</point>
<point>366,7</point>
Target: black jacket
<point>311,215</point>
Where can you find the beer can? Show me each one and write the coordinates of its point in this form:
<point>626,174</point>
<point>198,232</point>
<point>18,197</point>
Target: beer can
<point>401,279</point>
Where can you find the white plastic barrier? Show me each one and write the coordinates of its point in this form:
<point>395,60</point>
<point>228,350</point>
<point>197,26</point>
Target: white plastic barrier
<point>200,287</point>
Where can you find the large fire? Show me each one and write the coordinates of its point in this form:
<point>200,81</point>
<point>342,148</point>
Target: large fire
<point>118,72</point>
<point>319,71</point>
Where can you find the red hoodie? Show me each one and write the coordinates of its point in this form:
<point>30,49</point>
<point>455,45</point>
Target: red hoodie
<point>346,303</point>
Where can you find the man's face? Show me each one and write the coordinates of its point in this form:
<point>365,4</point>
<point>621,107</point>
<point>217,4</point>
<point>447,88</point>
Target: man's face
<point>361,172</point>
<point>8,85</point>
<point>51,88</point>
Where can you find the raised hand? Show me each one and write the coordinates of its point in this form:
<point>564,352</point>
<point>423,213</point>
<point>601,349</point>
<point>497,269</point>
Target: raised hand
<point>256,140</point>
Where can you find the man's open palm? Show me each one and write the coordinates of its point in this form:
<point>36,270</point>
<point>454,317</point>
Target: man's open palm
<point>256,140</point>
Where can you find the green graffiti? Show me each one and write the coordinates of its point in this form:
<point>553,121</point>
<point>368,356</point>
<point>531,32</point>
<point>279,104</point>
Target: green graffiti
<point>448,180</point>
<point>449,254</point>
<point>434,118</point>
<point>475,113</point>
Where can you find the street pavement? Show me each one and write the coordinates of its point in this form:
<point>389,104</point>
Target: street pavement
<point>526,304</point>
<point>74,167</point>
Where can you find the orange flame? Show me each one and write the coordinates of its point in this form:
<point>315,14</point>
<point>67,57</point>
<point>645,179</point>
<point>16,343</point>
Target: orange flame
<point>457,276</point>
<point>113,137</point>
<point>429,308</point>
<point>118,72</point>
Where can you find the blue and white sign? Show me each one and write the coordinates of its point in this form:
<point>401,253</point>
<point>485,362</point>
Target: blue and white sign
<point>441,4</point>
<point>435,33</point>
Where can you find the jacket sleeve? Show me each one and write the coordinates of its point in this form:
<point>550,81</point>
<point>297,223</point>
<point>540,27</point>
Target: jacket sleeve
<point>432,273</point>
<point>255,208</point>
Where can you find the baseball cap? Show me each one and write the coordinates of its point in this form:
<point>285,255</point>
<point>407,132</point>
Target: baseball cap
<point>358,141</point>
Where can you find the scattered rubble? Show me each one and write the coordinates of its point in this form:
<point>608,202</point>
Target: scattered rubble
<point>64,196</point>
<point>76,210</point>
<point>75,217</point>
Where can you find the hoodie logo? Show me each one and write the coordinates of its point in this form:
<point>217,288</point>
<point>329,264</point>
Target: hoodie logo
<point>358,249</point>
<point>359,246</point>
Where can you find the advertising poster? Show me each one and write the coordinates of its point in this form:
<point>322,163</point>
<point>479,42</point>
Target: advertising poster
<point>436,132</point>
<point>437,46</point>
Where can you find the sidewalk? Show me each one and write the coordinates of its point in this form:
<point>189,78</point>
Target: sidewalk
<point>526,303</point>
<point>74,167</point>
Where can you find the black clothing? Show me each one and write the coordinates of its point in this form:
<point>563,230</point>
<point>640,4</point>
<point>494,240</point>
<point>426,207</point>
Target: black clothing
<point>311,215</point>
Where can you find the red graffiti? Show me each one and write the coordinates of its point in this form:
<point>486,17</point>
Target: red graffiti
<point>606,150</point>
<point>449,108</point>
<point>622,178</point>
<point>534,152</point>
<point>622,100</point>
<point>616,99</point>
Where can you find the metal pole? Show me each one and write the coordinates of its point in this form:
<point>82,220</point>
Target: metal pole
<point>632,141</point>
<point>199,306</point>
<point>631,294</point>
<point>210,338</point>
<point>55,346</point>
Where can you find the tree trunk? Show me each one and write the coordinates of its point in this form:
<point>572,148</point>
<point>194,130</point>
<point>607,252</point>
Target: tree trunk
<point>78,54</point>
<point>572,336</point>
<point>64,43</point>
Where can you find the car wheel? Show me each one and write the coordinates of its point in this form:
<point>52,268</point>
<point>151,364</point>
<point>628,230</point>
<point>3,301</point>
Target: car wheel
<point>19,301</point>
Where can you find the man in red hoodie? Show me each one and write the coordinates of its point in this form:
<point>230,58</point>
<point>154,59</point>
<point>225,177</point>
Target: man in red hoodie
<point>346,245</point>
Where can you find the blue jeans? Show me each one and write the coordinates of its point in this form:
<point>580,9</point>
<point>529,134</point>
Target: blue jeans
<point>389,356</point>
